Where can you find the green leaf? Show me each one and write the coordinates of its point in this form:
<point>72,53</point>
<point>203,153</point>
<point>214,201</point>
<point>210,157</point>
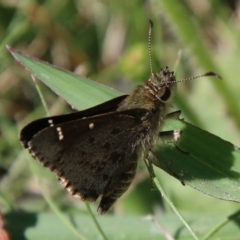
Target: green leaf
<point>78,91</point>
<point>35,226</point>
<point>202,160</point>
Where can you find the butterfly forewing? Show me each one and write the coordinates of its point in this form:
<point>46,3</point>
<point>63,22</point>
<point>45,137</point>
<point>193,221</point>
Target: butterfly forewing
<point>34,127</point>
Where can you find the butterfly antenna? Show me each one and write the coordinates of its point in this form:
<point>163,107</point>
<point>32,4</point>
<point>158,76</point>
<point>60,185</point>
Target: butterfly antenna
<point>199,76</point>
<point>149,44</point>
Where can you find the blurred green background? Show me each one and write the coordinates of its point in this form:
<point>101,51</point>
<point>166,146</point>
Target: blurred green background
<point>107,41</point>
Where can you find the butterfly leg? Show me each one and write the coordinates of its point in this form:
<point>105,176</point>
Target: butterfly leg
<point>172,137</point>
<point>150,170</point>
<point>174,115</point>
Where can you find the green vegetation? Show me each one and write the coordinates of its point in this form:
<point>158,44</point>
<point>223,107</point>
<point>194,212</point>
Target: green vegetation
<point>107,42</point>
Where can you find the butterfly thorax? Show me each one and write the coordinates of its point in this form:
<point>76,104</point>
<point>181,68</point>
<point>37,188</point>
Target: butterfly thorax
<point>154,97</point>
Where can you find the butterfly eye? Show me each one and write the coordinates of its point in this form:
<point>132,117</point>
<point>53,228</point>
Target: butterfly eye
<point>166,95</point>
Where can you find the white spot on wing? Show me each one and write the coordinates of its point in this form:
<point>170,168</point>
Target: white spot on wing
<point>50,121</point>
<point>91,125</point>
<point>60,133</point>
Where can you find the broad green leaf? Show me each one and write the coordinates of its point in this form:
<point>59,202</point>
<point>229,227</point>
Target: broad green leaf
<point>49,226</point>
<point>202,160</point>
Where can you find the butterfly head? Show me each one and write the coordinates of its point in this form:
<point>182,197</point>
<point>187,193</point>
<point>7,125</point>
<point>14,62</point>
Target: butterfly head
<point>162,85</point>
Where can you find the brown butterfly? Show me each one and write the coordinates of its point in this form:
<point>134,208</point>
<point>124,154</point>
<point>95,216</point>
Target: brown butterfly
<point>95,152</point>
